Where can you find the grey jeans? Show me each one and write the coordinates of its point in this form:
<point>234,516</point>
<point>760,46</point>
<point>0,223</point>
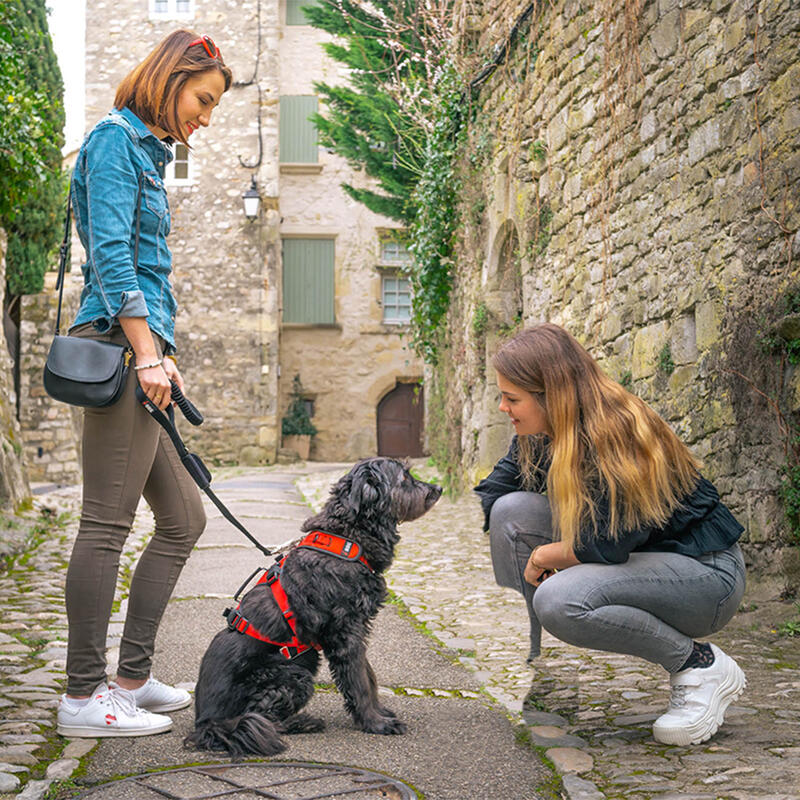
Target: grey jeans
<point>126,455</point>
<point>652,606</point>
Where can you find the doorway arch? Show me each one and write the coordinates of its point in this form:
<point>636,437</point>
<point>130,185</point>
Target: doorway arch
<point>400,420</point>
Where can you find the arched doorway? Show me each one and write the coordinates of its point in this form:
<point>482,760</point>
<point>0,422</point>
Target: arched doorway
<point>400,416</point>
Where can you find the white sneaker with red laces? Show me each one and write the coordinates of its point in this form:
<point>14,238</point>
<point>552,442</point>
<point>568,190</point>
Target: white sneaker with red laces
<point>699,699</point>
<point>108,713</point>
<point>158,697</point>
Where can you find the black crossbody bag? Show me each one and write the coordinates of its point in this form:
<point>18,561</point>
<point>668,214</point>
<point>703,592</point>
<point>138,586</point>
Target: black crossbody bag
<point>85,372</point>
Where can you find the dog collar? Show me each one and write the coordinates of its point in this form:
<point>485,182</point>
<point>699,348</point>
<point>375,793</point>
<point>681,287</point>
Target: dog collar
<point>334,545</point>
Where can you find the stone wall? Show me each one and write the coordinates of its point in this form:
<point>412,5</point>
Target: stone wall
<point>13,480</point>
<point>51,430</point>
<point>636,181</point>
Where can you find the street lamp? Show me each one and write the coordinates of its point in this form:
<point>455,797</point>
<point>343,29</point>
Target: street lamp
<point>251,200</point>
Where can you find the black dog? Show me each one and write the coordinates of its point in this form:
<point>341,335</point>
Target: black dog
<point>248,693</point>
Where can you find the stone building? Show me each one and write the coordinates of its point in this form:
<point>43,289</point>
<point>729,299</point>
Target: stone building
<point>631,173</point>
<point>311,287</point>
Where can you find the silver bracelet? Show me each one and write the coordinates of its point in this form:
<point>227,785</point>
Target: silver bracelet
<point>137,367</point>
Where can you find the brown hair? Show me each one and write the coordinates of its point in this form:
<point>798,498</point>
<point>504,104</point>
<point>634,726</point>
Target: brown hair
<point>151,89</point>
<point>604,440</point>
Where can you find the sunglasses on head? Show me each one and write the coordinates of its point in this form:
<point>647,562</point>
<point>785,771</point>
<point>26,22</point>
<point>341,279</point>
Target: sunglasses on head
<point>208,43</point>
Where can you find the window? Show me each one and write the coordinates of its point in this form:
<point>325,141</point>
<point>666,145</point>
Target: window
<point>396,297</point>
<point>179,170</point>
<point>171,9</point>
<point>393,261</point>
<point>394,250</point>
<point>308,293</point>
<point>294,11</point>
<point>296,132</point>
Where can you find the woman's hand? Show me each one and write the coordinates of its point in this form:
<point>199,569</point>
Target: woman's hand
<point>155,384</point>
<point>536,573</point>
<point>171,368</point>
<point>546,559</point>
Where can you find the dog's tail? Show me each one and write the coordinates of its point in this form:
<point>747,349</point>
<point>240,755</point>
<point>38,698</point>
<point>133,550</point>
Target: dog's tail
<point>249,734</point>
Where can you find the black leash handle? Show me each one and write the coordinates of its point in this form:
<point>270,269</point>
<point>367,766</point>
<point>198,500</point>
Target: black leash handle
<point>191,461</point>
<point>186,406</point>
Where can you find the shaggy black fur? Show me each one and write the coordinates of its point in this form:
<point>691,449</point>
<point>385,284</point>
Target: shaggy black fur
<point>247,693</point>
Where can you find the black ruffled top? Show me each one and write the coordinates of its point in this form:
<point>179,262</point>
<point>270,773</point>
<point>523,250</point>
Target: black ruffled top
<point>700,524</point>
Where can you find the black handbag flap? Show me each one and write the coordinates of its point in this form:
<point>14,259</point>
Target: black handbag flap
<point>83,360</point>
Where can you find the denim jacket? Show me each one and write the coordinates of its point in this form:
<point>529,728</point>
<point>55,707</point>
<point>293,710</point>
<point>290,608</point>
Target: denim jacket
<point>118,153</point>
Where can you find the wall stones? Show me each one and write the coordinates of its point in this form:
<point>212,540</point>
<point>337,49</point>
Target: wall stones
<point>658,255</point>
<point>50,430</point>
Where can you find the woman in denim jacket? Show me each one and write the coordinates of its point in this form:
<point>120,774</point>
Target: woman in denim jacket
<point>126,455</point>
<point>648,559</point>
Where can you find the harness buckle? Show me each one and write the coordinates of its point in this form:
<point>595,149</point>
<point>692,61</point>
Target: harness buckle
<point>236,622</point>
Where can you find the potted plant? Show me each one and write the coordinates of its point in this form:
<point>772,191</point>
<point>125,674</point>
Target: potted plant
<point>296,426</point>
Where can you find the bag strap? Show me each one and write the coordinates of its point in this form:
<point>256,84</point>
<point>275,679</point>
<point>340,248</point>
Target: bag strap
<point>63,256</point>
<point>66,248</point>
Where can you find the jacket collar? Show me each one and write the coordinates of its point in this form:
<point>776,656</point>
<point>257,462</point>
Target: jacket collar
<point>157,149</point>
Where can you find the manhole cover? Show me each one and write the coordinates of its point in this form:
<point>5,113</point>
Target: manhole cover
<point>275,780</point>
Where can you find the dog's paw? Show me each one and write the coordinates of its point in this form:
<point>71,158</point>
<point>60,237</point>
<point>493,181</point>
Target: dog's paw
<point>303,723</point>
<point>386,726</point>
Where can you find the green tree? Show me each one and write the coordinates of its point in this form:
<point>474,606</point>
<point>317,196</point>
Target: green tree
<point>32,182</point>
<point>375,122</point>
<point>401,120</point>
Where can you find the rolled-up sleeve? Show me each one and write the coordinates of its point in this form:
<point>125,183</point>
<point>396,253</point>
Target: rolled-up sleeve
<point>112,183</point>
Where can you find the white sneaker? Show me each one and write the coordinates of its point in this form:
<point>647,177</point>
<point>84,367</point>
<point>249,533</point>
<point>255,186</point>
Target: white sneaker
<point>157,696</point>
<point>108,713</point>
<point>699,699</point>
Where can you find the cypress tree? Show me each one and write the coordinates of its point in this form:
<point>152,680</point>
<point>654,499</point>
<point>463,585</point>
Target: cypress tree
<point>364,122</point>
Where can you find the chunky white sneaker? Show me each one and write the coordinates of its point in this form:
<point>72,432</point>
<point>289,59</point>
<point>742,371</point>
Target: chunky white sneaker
<point>699,699</point>
<point>158,697</point>
<point>108,713</point>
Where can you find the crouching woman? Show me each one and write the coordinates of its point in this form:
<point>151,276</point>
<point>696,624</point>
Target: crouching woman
<point>599,517</point>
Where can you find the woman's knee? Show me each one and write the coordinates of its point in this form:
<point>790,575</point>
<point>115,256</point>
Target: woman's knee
<point>184,523</point>
<point>517,512</point>
<point>554,604</point>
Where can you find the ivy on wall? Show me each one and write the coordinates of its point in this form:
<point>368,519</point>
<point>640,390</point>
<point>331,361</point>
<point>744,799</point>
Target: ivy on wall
<point>32,184</point>
<point>434,227</point>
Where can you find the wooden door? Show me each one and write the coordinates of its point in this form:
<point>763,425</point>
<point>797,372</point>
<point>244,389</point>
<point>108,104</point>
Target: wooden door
<point>400,416</point>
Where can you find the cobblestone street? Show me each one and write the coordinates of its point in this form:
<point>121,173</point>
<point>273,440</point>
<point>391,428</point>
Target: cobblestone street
<point>587,712</point>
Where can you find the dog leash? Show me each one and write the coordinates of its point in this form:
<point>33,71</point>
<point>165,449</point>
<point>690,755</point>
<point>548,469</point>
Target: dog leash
<point>191,461</point>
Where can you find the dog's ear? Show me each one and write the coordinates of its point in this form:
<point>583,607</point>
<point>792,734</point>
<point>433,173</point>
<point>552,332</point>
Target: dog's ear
<point>370,491</point>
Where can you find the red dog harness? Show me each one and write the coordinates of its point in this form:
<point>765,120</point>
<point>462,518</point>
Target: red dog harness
<point>329,543</point>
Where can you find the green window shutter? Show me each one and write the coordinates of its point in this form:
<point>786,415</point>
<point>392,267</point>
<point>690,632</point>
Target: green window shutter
<point>308,292</point>
<point>297,134</point>
<point>294,15</point>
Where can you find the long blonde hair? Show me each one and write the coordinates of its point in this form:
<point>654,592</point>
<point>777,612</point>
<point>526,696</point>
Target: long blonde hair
<point>603,441</point>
